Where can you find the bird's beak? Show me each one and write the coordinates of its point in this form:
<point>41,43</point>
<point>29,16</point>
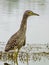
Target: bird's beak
<point>35,14</point>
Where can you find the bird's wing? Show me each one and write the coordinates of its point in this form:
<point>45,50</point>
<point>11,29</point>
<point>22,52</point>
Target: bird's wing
<point>10,45</point>
<point>17,40</point>
<point>12,42</point>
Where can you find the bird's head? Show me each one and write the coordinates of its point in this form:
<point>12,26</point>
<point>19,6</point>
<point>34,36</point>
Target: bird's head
<point>30,13</point>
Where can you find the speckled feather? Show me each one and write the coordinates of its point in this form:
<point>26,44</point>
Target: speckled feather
<point>19,38</point>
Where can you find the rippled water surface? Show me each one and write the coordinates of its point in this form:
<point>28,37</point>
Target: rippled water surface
<point>30,54</point>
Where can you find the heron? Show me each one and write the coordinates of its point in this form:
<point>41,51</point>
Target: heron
<point>18,39</point>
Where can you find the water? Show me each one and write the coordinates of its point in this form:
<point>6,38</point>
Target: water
<point>11,13</point>
<point>30,54</point>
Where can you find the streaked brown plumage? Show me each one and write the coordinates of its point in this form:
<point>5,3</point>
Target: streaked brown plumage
<point>19,38</point>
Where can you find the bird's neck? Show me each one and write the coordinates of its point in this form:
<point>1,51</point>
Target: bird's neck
<point>23,24</point>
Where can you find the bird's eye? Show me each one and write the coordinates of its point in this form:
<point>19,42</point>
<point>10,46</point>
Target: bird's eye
<point>30,12</point>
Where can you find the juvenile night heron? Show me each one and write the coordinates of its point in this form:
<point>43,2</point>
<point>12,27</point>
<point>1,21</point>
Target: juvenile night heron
<point>19,38</point>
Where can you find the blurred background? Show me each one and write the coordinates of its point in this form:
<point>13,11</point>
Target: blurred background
<point>11,13</point>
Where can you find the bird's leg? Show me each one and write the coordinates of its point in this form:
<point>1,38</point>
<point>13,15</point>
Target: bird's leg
<point>15,55</point>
